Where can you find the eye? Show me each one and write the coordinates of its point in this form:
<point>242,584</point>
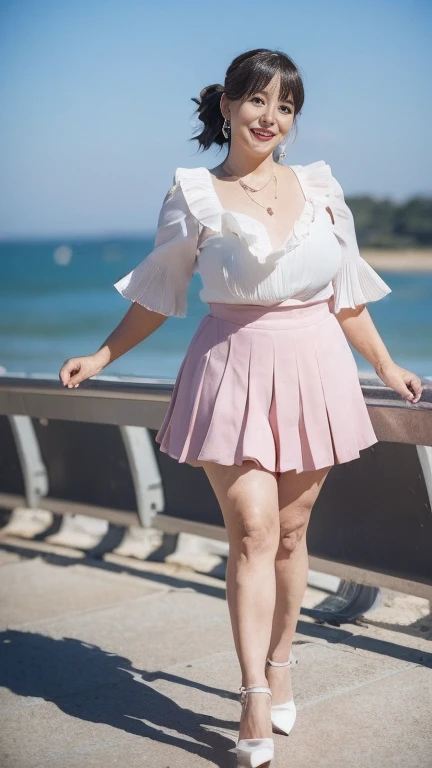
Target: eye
<point>287,110</point>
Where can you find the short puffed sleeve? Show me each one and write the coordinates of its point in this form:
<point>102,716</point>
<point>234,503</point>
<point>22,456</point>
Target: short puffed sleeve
<point>356,282</point>
<point>160,282</point>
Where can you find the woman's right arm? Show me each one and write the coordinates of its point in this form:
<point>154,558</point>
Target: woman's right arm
<point>137,324</point>
<point>157,288</point>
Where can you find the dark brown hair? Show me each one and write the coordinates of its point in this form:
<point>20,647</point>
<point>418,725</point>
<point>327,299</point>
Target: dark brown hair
<point>248,73</point>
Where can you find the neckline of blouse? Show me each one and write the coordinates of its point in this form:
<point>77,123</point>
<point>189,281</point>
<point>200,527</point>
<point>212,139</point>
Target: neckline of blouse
<point>308,209</point>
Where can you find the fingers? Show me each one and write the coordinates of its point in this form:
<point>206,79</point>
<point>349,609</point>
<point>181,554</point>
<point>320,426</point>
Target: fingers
<point>70,374</point>
<point>64,374</point>
<point>75,381</point>
<point>414,388</point>
<point>417,394</point>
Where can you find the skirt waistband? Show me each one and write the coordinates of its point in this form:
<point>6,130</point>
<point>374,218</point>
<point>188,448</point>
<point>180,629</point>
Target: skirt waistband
<point>278,316</point>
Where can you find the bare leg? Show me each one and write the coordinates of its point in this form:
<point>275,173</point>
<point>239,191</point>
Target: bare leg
<point>248,498</point>
<point>297,495</point>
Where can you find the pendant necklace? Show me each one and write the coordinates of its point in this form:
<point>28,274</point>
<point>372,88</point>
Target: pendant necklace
<point>248,189</point>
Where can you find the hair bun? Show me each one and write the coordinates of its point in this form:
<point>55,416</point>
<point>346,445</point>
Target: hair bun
<point>210,90</point>
<point>209,112</point>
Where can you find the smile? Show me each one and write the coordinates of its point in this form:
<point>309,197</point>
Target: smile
<point>261,136</point>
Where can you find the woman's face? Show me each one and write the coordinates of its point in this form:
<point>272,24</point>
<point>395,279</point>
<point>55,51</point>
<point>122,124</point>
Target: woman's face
<point>260,112</point>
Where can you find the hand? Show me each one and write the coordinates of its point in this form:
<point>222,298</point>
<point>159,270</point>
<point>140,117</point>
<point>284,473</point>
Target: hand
<point>404,382</point>
<point>77,369</point>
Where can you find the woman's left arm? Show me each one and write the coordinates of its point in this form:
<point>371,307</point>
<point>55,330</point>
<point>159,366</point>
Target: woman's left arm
<point>360,331</point>
<point>354,284</point>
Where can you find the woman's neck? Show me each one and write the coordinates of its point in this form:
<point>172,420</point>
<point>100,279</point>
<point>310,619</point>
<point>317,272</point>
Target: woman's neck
<point>241,165</point>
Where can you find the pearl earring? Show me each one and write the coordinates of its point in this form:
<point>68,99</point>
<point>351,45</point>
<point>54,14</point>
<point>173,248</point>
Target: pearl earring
<point>225,128</point>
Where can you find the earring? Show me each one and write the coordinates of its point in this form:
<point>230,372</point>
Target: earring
<point>225,128</point>
<point>282,154</point>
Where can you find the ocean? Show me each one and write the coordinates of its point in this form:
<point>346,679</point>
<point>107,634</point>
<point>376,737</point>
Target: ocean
<point>58,301</point>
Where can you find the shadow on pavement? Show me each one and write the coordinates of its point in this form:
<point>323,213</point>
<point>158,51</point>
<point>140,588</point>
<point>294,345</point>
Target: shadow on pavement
<point>311,629</point>
<point>91,684</point>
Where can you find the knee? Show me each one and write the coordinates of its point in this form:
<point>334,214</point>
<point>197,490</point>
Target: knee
<point>258,540</point>
<point>293,532</point>
<point>290,539</point>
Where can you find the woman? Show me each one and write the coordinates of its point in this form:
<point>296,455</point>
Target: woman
<point>267,398</point>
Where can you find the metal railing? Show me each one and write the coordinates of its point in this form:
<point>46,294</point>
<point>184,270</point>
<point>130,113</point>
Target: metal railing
<point>92,450</point>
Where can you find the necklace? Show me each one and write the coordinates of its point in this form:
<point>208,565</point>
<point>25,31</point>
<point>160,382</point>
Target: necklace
<point>268,208</point>
<point>251,189</point>
<point>248,189</point>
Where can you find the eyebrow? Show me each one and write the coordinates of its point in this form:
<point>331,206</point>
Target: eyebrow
<point>288,101</point>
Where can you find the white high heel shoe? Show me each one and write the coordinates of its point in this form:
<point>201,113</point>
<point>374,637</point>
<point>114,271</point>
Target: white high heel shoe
<point>251,753</point>
<point>283,716</point>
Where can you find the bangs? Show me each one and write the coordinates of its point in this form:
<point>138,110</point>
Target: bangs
<point>255,73</point>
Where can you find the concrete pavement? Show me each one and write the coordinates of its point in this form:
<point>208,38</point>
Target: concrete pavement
<point>121,661</point>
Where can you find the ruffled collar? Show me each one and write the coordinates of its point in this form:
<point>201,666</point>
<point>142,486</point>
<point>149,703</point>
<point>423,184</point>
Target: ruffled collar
<point>205,206</point>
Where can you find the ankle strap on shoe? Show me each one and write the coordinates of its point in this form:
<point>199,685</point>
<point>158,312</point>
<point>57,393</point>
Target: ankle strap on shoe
<point>252,689</point>
<point>291,663</point>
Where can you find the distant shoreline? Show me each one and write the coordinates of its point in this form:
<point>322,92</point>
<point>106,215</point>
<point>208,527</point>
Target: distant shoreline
<point>381,259</point>
<point>398,261</point>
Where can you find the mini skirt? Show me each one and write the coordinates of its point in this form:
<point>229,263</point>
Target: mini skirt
<point>276,385</point>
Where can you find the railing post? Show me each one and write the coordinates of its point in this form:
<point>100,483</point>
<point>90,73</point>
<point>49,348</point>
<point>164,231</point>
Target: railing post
<point>33,469</point>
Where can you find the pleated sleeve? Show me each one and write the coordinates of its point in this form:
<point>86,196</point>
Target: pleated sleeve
<point>160,282</point>
<point>356,282</point>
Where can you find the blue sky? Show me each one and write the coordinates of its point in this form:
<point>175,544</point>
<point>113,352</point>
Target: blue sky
<point>97,112</point>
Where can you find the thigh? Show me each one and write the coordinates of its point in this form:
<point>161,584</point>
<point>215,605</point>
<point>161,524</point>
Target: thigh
<point>247,496</point>
<point>297,493</point>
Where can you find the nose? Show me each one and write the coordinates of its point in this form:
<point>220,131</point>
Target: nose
<point>268,116</point>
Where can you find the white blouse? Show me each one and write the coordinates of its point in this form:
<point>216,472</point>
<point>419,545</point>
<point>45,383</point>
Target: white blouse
<point>236,260</point>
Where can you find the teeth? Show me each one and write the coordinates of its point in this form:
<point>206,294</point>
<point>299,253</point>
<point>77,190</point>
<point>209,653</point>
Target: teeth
<point>260,133</point>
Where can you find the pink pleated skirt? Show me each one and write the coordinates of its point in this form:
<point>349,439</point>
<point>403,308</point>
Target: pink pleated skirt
<point>276,385</point>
